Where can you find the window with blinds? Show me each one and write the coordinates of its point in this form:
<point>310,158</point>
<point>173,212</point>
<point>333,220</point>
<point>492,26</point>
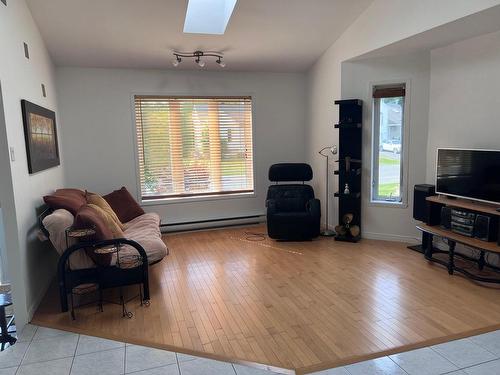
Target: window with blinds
<point>389,144</point>
<point>192,146</point>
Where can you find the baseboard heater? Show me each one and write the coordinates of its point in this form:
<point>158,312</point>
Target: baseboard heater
<point>212,223</point>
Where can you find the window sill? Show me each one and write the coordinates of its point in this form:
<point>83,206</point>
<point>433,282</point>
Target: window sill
<point>198,198</point>
<point>388,204</point>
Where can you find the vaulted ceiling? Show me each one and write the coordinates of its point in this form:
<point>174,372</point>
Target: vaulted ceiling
<point>262,35</point>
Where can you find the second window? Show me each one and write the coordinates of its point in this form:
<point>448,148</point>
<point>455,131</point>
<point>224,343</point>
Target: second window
<point>388,143</point>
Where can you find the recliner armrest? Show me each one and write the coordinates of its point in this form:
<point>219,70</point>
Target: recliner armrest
<point>271,206</point>
<point>313,206</point>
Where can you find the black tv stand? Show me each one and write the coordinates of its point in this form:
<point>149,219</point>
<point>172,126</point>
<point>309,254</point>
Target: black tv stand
<point>453,238</point>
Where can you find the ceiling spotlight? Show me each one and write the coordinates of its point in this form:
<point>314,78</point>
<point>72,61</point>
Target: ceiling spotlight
<point>197,55</point>
<point>177,61</point>
<point>221,63</point>
<point>200,62</point>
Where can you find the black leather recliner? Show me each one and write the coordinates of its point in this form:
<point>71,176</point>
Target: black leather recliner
<point>292,211</point>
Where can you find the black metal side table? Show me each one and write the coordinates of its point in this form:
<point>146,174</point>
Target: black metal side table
<point>83,290</point>
<point>123,263</point>
<point>5,337</point>
<point>87,288</point>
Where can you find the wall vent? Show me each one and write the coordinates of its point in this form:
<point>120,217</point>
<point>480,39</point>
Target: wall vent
<point>26,51</point>
<point>4,2</point>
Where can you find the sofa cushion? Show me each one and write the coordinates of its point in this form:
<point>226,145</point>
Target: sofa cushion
<point>88,217</point>
<point>56,224</point>
<point>67,199</point>
<point>124,205</point>
<point>99,201</point>
<point>145,230</point>
<point>150,218</point>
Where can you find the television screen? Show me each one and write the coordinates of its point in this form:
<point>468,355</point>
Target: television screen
<point>472,174</point>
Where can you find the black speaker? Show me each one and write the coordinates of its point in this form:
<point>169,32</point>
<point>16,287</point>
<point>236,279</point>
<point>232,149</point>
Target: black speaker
<point>486,228</point>
<point>445,221</point>
<point>423,211</point>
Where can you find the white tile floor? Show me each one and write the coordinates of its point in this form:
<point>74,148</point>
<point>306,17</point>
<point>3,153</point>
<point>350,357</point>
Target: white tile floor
<point>45,351</point>
<point>477,355</point>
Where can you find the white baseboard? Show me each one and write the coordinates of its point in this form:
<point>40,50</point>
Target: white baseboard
<point>214,224</point>
<point>390,237</point>
<point>37,301</point>
<point>386,236</point>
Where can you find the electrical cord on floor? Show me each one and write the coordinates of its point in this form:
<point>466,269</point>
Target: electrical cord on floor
<point>261,237</point>
<point>475,253</point>
<point>254,236</point>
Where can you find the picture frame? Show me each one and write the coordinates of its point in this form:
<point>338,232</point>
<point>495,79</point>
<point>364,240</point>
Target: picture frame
<point>40,134</point>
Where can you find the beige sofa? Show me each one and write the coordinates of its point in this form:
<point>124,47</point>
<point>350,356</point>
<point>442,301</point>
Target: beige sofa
<point>144,229</point>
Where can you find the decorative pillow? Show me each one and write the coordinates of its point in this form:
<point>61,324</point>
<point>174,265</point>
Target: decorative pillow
<point>88,217</point>
<point>124,205</point>
<point>109,221</point>
<point>71,191</point>
<point>100,202</point>
<point>67,199</point>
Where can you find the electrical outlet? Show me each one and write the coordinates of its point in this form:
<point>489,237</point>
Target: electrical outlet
<point>26,51</point>
<point>12,154</point>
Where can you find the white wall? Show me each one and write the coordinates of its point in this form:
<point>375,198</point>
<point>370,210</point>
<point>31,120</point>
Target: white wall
<point>384,22</point>
<point>464,102</point>
<point>3,252</point>
<point>96,107</point>
<point>464,97</point>
<point>31,266</point>
<point>391,221</point>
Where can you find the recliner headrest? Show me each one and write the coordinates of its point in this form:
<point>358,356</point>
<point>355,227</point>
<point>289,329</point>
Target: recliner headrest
<point>290,172</point>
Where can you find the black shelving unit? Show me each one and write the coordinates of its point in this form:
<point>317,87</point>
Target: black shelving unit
<point>347,196</point>
<point>348,126</point>
<point>349,163</point>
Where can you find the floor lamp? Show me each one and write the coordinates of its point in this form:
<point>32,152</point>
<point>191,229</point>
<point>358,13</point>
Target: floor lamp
<point>326,152</point>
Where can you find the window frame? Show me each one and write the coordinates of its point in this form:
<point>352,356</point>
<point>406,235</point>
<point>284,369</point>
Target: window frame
<point>200,197</point>
<point>405,145</point>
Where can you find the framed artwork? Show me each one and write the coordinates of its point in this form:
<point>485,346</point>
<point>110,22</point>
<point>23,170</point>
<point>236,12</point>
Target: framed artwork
<point>40,134</point>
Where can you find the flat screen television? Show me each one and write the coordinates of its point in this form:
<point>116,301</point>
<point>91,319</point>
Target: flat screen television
<point>468,173</point>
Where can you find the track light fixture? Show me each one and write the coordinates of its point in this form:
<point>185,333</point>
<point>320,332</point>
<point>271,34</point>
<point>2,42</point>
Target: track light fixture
<point>198,55</point>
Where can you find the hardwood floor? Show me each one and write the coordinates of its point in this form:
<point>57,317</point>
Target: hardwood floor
<point>293,305</point>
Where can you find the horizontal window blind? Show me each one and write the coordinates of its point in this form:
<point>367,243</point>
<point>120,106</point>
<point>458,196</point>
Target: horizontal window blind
<point>389,91</point>
<point>190,146</point>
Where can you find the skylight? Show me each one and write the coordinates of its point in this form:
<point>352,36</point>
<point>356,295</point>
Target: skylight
<point>208,16</point>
